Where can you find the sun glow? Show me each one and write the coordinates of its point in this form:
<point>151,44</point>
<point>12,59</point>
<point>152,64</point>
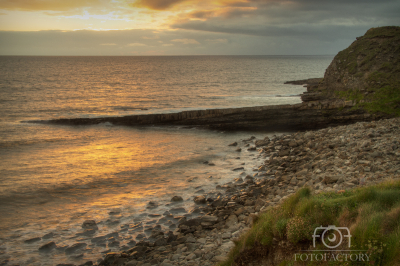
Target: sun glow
<point>105,15</point>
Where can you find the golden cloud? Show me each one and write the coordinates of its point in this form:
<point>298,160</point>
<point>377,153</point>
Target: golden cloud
<point>156,4</point>
<point>47,5</point>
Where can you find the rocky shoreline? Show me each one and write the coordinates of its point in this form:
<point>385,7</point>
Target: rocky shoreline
<point>327,160</point>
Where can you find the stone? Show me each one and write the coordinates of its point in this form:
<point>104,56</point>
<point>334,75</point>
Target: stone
<point>47,236</point>
<point>209,219</point>
<point>263,142</point>
<point>231,221</point>
<point>177,210</point>
<point>190,239</point>
<point>75,247</point>
<point>48,246</point>
<point>200,200</point>
<point>220,258</point>
<point>152,205</point>
<point>90,224</point>
<point>175,257</point>
<point>226,235</point>
<point>330,179</point>
<point>191,256</point>
<point>176,198</point>
<point>284,153</point>
<point>33,240</point>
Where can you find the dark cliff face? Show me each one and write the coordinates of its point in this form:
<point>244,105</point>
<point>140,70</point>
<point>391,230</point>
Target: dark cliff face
<point>367,73</point>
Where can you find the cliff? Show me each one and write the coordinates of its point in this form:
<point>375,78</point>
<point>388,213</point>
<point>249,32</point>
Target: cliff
<point>366,75</point>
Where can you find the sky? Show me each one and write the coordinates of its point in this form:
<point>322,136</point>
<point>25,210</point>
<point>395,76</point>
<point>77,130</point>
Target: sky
<point>188,27</point>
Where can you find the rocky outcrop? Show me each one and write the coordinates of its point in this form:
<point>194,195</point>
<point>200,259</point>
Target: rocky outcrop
<point>367,73</point>
<point>278,117</point>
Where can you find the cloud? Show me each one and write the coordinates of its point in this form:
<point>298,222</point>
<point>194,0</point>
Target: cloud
<point>324,20</point>
<point>186,27</point>
<point>137,44</point>
<point>157,4</point>
<point>186,41</point>
<point>217,40</point>
<point>48,5</point>
<point>151,38</point>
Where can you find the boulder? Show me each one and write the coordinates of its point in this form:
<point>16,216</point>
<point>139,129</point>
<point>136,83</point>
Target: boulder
<point>200,200</point>
<point>90,224</point>
<point>176,198</point>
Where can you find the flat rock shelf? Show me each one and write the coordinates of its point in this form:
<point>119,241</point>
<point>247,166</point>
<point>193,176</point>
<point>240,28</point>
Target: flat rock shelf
<point>274,117</point>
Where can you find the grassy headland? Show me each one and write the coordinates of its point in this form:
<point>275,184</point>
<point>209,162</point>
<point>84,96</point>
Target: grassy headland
<point>372,214</point>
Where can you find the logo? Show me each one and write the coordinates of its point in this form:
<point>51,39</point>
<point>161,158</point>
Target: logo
<point>332,234</point>
<point>332,237</point>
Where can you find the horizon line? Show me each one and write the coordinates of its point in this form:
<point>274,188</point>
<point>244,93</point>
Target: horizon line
<point>156,55</point>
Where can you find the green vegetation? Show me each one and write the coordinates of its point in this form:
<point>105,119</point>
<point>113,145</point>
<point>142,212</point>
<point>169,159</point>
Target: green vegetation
<point>384,100</point>
<point>369,70</point>
<point>350,95</point>
<point>372,215</point>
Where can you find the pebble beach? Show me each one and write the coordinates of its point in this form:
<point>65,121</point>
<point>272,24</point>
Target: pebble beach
<point>327,160</point>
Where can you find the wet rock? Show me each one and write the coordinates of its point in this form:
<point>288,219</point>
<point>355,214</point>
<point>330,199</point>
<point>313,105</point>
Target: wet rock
<point>48,247</point>
<point>200,200</point>
<point>152,205</point>
<point>176,198</point>
<point>75,247</point>
<point>114,243</point>
<point>115,211</point>
<point>90,224</point>
<point>209,219</point>
<point>263,142</point>
<point>88,263</point>
<point>87,232</point>
<point>177,210</point>
<point>192,179</point>
<point>33,240</point>
<point>47,236</point>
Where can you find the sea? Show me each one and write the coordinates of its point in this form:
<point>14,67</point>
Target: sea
<point>54,177</point>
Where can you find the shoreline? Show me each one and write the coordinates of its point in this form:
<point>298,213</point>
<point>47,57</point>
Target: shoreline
<point>327,160</point>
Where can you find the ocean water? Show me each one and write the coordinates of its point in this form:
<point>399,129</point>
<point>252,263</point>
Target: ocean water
<point>52,177</point>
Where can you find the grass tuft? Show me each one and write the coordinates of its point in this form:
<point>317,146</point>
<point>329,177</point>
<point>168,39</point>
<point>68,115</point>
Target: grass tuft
<point>372,215</point>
